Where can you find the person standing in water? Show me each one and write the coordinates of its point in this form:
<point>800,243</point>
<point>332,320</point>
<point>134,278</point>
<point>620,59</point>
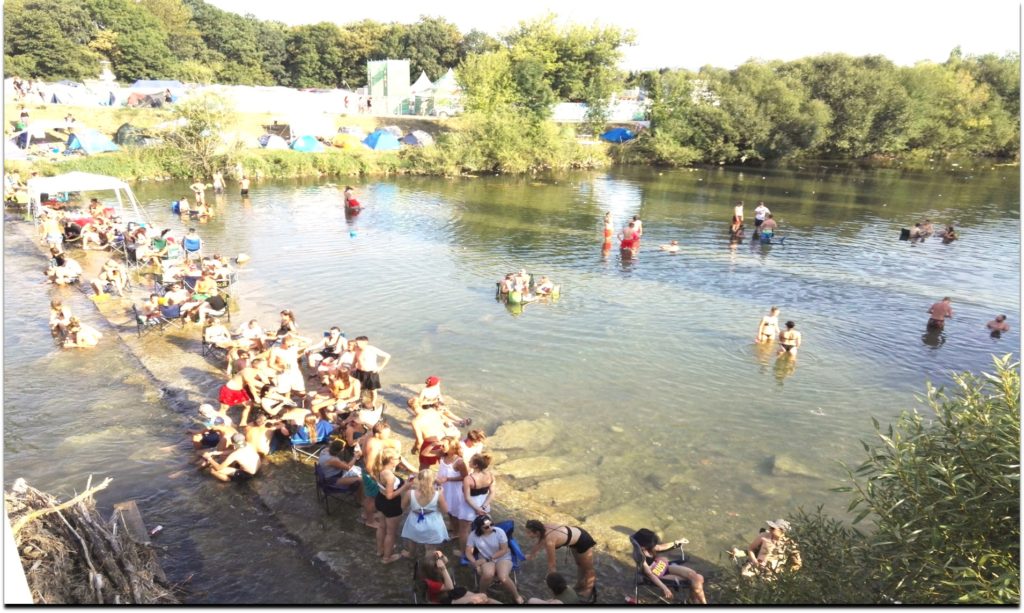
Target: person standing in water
<point>759,214</point>
<point>737,214</point>
<point>939,312</point>
<point>789,339</point>
<point>218,182</point>
<point>609,228</point>
<point>998,325</point>
<point>768,329</point>
<point>243,184</point>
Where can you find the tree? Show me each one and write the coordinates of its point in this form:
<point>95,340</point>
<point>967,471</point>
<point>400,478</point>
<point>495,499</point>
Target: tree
<point>183,38</point>
<point>432,45</point>
<point>359,45</point>
<point>315,55</point>
<point>198,143</point>
<point>140,48</point>
<point>477,42</point>
<point>27,22</point>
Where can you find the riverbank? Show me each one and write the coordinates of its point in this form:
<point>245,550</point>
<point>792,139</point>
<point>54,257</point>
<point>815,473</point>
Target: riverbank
<point>528,486</point>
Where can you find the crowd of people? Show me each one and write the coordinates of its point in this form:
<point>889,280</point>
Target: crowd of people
<point>322,395</point>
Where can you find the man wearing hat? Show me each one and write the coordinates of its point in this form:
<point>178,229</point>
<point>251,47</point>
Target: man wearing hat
<point>240,465</point>
<point>772,550</point>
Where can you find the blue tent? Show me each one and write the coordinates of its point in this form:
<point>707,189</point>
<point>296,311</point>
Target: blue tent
<point>382,140</point>
<point>90,141</point>
<point>618,135</point>
<point>307,144</point>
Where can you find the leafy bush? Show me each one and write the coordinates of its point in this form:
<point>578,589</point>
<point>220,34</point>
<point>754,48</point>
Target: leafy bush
<point>943,493</point>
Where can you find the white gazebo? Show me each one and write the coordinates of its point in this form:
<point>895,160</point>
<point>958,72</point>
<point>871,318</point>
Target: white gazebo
<point>126,207</point>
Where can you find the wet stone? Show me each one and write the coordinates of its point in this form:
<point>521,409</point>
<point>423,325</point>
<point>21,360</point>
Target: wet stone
<point>537,467</point>
<point>784,465</point>
<point>534,435</point>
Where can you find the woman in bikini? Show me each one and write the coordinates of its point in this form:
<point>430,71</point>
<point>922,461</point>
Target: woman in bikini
<point>478,486</point>
<point>768,329</point>
<point>789,339</point>
<point>578,540</point>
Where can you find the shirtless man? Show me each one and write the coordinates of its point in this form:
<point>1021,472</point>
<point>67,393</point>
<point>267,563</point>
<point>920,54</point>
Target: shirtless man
<point>429,427</point>
<point>768,226</point>
<point>242,389</point>
<point>216,432</point>
<point>939,312</point>
<point>199,191</point>
<point>998,325</point>
<point>789,339</point>
<point>768,329</point>
<point>241,464</point>
<point>367,365</point>
<point>258,434</point>
<point>672,247</point>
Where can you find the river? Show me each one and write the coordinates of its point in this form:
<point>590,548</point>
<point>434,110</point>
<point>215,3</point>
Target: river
<point>646,367</point>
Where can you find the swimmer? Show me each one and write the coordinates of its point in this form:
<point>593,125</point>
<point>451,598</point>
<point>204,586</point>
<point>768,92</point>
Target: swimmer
<point>544,287</point>
<point>939,312</point>
<point>672,247</point>
<point>789,339</point>
<point>768,329</point>
<point>998,324</point>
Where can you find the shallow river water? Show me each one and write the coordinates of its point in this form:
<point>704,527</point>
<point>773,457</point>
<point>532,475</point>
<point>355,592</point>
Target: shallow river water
<point>647,367</point>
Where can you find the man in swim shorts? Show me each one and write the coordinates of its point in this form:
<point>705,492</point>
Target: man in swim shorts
<point>939,312</point>
<point>241,464</point>
<point>368,365</point>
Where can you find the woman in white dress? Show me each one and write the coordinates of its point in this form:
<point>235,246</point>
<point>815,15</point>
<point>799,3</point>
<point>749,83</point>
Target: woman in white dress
<point>451,470</point>
<point>424,525</point>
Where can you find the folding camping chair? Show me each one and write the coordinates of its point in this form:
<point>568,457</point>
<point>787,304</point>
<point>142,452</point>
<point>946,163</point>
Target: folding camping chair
<point>145,325</point>
<point>670,581</point>
<point>326,491</point>
<point>508,527</point>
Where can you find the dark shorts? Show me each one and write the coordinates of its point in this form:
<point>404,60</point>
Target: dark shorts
<point>788,348</point>
<point>938,324</point>
<point>369,380</point>
<point>245,192</point>
<point>210,439</point>
<point>388,508</point>
<point>758,222</point>
<point>584,543</point>
<point>241,476</point>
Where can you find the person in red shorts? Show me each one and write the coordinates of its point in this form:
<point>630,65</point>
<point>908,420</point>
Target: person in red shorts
<point>241,389</point>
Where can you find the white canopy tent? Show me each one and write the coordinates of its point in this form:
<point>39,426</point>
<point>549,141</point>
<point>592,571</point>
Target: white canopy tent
<point>127,207</point>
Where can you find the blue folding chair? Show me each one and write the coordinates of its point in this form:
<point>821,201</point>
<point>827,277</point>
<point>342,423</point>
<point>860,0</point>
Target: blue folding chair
<point>325,491</point>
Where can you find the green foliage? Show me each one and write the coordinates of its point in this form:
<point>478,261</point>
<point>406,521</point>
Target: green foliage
<point>432,45</point>
<point>198,143</point>
<point>139,49</point>
<point>941,491</point>
<point>28,23</point>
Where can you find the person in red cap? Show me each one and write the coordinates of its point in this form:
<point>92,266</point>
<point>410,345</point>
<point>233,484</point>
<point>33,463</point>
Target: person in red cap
<point>430,398</point>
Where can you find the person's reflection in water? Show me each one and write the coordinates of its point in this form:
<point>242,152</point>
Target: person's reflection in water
<point>933,337</point>
<point>763,354</point>
<point>606,249</point>
<point>785,366</point>
<point>246,202</point>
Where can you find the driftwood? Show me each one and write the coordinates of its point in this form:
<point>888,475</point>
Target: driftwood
<point>71,555</point>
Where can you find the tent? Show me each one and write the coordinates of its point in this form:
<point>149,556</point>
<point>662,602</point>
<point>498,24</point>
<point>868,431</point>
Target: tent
<point>128,134</point>
<point>347,141</point>
<point>127,207</point>
<point>618,135</point>
<point>66,94</point>
<point>273,141</point>
<point>394,130</point>
<point>382,140</point>
<point>447,84</point>
<point>418,138</point>
<point>90,141</point>
<point>146,101</point>
<point>307,144</point>
<point>70,83</point>
<point>422,85</point>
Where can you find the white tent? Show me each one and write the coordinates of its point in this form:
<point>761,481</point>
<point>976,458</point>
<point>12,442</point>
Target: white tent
<point>88,182</point>
<point>447,84</point>
<point>422,86</point>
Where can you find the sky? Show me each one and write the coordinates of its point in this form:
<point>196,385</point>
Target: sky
<point>691,34</point>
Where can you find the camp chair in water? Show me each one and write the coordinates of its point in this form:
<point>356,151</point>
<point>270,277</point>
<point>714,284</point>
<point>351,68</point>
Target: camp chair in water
<point>158,323</point>
<point>640,578</point>
<point>326,491</point>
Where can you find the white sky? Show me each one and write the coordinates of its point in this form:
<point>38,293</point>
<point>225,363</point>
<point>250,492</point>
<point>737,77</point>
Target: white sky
<point>693,33</point>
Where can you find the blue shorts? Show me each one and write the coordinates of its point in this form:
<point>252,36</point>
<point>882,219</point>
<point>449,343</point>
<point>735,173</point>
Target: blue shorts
<point>210,439</point>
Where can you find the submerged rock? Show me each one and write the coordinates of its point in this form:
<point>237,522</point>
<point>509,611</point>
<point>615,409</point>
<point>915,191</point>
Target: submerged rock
<point>565,493</point>
<point>784,465</point>
<point>534,435</point>
<point>538,467</point>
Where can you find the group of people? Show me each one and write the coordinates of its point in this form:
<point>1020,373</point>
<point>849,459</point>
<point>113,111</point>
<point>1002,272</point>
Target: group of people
<point>924,229</point>
<point>521,287</point>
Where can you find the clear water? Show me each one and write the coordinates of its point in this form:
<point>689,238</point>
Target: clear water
<point>646,366</point>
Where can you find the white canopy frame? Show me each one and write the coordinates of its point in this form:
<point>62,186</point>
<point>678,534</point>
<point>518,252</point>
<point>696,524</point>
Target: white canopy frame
<point>88,182</point>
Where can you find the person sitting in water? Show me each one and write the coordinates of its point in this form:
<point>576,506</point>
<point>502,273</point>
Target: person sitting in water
<point>63,270</point>
<point>521,281</point>
<point>768,329</point>
<point>927,228</point>
<point>560,591</point>
<point>60,317</point>
<point>506,285</point>
<point>243,388</point>
<point>440,587</point>
<point>672,247</point>
<point>948,235</point>
<point>217,430</point>
<point>655,567</point>
<point>998,325</point>
<point>771,552</point>
<point>112,279</point>
<point>544,287</point>
<point>789,339</point>
<point>429,397</point>
<point>241,464</point>
<point>81,335</point>
<point>350,199</point>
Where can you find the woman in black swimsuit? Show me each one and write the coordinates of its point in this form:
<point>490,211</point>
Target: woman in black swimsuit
<point>389,502</point>
<point>578,540</point>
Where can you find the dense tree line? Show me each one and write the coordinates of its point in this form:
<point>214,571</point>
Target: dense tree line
<point>830,105</point>
<point>834,105</point>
